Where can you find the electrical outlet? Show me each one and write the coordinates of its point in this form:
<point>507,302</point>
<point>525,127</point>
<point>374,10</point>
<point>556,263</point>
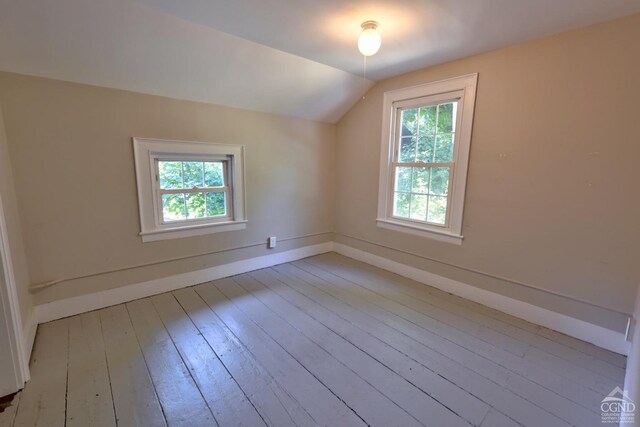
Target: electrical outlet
<point>271,242</point>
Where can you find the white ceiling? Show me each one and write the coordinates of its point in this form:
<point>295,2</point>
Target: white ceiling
<point>415,33</point>
<point>296,58</point>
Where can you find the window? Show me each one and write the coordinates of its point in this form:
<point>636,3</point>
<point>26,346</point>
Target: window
<point>425,152</point>
<point>192,190</point>
<point>188,188</point>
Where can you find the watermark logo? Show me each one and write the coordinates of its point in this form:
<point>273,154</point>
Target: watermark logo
<point>617,408</point>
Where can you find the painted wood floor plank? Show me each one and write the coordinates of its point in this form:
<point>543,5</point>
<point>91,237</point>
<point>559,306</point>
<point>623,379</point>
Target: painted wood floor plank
<point>43,400</point>
<point>544,398</point>
<point>458,400</point>
<point>586,361</point>
<point>579,374</point>
<point>560,339</point>
<point>368,402</point>
<point>411,300</point>
<point>399,334</point>
<point>430,305</point>
<point>501,361</point>
<point>181,401</point>
<point>553,403</point>
<point>498,364</point>
<point>397,389</point>
<point>89,399</point>
<point>226,399</point>
<point>134,397</point>
<point>276,406</point>
<point>477,314</point>
<point>600,384</point>
<point>496,419</point>
<point>584,347</point>
<point>324,406</point>
<point>453,397</point>
<point>9,414</point>
<point>371,319</point>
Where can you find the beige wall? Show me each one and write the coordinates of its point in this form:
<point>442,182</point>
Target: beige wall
<point>561,211</point>
<point>14,231</point>
<point>71,150</point>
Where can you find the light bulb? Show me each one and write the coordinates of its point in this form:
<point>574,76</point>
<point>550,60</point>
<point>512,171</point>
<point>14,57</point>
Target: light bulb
<point>369,40</point>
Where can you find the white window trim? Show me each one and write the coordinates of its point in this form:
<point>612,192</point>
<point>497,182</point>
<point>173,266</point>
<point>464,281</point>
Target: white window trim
<point>464,88</point>
<point>146,151</point>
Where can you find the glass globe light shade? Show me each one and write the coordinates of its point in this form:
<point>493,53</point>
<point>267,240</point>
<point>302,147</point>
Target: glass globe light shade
<point>369,40</point>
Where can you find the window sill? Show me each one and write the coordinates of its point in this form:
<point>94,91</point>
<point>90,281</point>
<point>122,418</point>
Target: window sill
<point>191,230</point>
<point>442,236</point>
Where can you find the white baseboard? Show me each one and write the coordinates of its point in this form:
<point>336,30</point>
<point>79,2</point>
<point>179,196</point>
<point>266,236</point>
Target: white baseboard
<point>29,337</point>
<point>84,303</point>
<point>602,337</point>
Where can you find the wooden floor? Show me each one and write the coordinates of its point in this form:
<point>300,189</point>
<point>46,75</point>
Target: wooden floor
<point>322,341</point>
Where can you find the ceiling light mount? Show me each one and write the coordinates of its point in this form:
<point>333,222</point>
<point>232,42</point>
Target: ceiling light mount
<point>369,40</point>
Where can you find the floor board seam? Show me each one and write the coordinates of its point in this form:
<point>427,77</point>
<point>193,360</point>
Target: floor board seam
<point>144,358</point>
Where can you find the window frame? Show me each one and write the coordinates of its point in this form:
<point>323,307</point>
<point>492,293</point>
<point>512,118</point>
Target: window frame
<point>462,89</point>
<point>148,153</point>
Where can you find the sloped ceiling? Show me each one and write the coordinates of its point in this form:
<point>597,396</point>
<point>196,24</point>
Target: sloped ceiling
<point>294,58</point>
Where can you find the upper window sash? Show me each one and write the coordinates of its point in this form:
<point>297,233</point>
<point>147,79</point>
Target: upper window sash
<point>225,161</point>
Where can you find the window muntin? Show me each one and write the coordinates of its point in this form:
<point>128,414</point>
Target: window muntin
<point>423,162</point>
<point>193,190</point>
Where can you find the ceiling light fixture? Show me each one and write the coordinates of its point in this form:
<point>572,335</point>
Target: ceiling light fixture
<point>369,40</point>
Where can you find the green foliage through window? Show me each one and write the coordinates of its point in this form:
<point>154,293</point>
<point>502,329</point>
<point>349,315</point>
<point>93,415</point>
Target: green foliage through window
<point>195,178</point>
<point>427,136</point>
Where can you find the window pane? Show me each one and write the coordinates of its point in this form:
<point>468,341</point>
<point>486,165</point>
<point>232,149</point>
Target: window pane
<point>428,120</point>
<point>407,149</point>
<point>195,205</point>
<point>444,148</point>
<point>409,122</point>
<point>403,179</point>
<point>420,180</point>
<point>173,208</point>
<point>216,204</point>
<point>193,174</point>
<point>446,113</point>
<point>425,149</point>
<point>170,174</point>
<point>419,207</point>
<point>439,181</point>
<point>437,209</point>
<point>213,174</point>
<point>401,205</point>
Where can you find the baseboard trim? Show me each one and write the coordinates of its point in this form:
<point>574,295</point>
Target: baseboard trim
<point>29,336</point>
<point>85,303</point>
<point>597,335</point>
